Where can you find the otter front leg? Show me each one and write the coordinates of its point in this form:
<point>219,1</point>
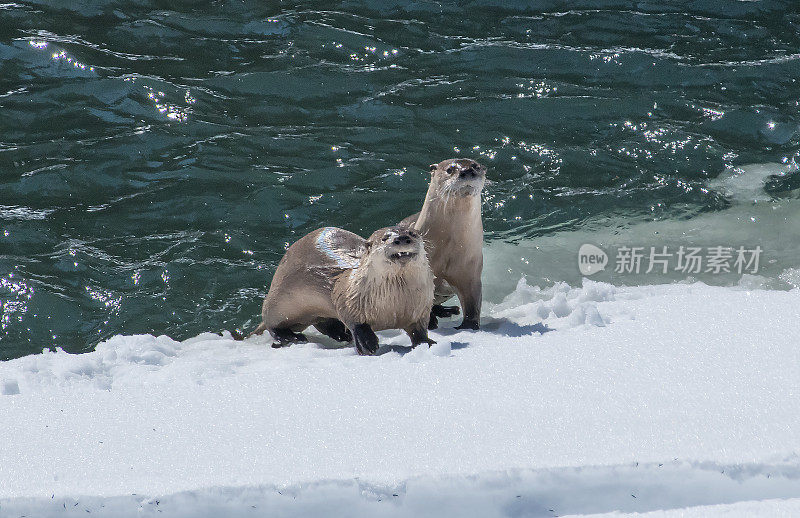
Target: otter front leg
<point>335,329</point>
<point>419,334</point>
<point>284,336</point>
<point>365,339</point>
<point>441,312</point>
<point>444,311</point>
<point>469,294</point>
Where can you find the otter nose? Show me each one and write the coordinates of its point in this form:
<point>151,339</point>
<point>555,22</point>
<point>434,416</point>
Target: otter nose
<point>402,240</point>
<point>467,173</point>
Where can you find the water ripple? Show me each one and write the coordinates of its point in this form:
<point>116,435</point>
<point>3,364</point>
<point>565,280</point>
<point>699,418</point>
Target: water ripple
<point>156,160</point>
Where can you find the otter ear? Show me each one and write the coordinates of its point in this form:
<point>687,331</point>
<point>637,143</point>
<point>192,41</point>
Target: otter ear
<point>433,167</point>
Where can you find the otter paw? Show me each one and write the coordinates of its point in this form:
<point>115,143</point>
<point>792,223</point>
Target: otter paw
<point>415,342</point>
<point>433,323</point>
<point>444,311</point>
<point>469,324</point>
<point>335,329</point>
<point>365,339</point>
<point>284,337</point>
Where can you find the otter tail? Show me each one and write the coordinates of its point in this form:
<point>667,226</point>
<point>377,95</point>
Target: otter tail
<point>239,336</point>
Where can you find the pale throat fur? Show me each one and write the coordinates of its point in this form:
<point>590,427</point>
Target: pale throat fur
<point>384,294</point>
<point>436,224</point>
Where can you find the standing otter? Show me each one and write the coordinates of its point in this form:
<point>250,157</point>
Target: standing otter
<point>348,287</point>
<point>451,223</point>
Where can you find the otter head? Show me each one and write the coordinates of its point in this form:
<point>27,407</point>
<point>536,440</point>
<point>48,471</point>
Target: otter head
<point>459,177</point>
<point>397,246</point>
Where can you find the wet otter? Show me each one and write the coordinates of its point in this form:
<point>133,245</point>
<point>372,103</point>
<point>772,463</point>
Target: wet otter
<point>348,287</point>
<point>450,221</point>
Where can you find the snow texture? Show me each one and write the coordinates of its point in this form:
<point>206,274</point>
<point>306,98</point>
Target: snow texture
<point>596,399</point>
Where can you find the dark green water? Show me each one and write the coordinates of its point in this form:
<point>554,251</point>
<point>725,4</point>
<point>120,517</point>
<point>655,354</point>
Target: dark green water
<point>157,157</point>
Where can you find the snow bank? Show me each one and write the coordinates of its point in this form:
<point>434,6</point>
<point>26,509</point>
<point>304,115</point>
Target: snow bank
<point>535,494</point>
<point>759,509</point>
<point>580,400</point>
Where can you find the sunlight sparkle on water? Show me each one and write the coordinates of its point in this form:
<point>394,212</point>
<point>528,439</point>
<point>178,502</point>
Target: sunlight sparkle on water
<point>605,58</point>
<point>713,114</point>
<point>15,303</point>
<point>64,57</point>
<point>171,111</point>
<point>105,297</point>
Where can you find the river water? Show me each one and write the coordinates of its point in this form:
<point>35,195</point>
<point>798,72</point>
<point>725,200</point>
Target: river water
<point>156,158</point>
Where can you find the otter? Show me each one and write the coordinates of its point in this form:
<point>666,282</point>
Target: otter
<point>348,288</point>
<point>450,221</point>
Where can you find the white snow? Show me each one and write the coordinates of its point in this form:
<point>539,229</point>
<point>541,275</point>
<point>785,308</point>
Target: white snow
<point>750,509</point>
<point>9,387</point>
<point>596,399</point>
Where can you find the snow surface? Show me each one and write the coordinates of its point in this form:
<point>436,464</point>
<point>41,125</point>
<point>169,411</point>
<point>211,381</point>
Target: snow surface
<point>766,509</point>
<point>594,399</point>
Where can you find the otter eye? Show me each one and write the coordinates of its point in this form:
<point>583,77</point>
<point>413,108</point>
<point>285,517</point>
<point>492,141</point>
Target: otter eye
<point>385,238</point>
<point>412,233</point>
<point>452,169</point>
